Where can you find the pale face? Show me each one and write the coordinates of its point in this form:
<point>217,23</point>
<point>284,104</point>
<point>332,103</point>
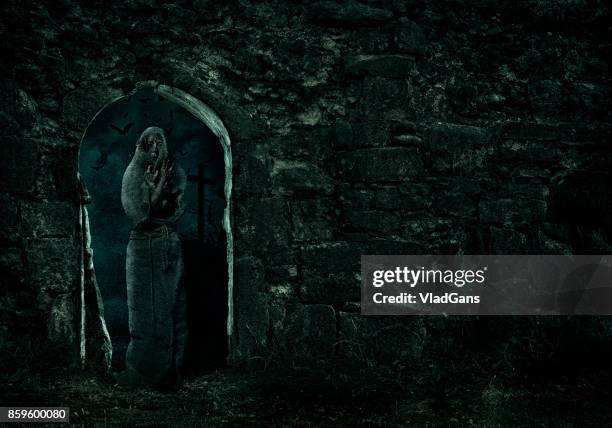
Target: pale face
<point>151,144</point>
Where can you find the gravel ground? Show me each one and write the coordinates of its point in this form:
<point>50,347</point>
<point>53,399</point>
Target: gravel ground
<point>307,398</point>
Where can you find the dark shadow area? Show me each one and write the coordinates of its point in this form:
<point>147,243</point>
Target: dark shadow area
<point>106,150</point>
<point>206,285</point>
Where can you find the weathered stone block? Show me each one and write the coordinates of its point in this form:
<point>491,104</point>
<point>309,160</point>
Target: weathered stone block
<point>546,97</point>
<point>530,172</point>
<point>9,125</point>
<point>512,211</point>
<point>383,222</point>
<point>385,340</point>
<point>371,133</point>
<point>358,199</point>
<point>394,246</point>
<point>252,174</point>
<point>373,41</point>
<point>281,273</point>
<point>410,38</point>
<point>407,140</point>
<point>471,186</point>
<point>331,257</point>
<point>18,105</point>
<point>281,267</point>
<point>300,178</point>
<point>251,316</point>
<point>306,333</point>
<point>343,134</point>
<point>62,322</point>
<point>18,164</point>
<point>12,268</point>
<point>336,287</point>
<point>49,218</point>
<point>448,136</point>
<point>263,224</point>
<point>248,275</point>
<point>313,219</point>
<point>252,320</point>
<point>387,198</point>
<point>281,257</point>
<point>350,14</point>
<point>521,151</point>
<point>415,196</point>
<point>398,66</point>
<point>459,149</point>
<point>425,229</point>
<point>303,144</point>
<point>454,204</point>
<point>80,105</point>
<point>403,126</point>
<point>381,164</point>
<point>463,97</point>
<point>384,98</point>
<point>530,131</point>
<point>8,218</point>
<point>591,100</point>
<point>550,245</point>
<point>311,116</point>
<point>53,265</point>
<point>529,190</point>
<point>507,241</point>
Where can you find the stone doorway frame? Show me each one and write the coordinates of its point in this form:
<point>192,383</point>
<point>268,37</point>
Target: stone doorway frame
<point>210,119</point>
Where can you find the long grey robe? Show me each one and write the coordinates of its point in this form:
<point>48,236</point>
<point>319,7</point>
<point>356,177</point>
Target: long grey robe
<point>154,273</point>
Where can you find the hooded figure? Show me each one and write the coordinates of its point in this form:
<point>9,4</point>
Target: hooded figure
<point>151,195</point>
<point>152,187</point>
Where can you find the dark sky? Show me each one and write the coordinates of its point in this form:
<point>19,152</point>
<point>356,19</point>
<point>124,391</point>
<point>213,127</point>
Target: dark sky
<point>107,149</point>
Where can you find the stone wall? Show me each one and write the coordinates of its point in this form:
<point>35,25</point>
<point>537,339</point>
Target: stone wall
<point>376,127</point>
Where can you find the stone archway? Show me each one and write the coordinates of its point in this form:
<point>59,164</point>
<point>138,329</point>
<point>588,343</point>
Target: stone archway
<point>203,112</point>
<point>212,121</point>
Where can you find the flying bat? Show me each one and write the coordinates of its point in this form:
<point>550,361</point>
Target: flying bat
<point>124,130</point>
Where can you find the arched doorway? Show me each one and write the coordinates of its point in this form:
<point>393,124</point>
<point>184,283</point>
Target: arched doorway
<point>200,144</point>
